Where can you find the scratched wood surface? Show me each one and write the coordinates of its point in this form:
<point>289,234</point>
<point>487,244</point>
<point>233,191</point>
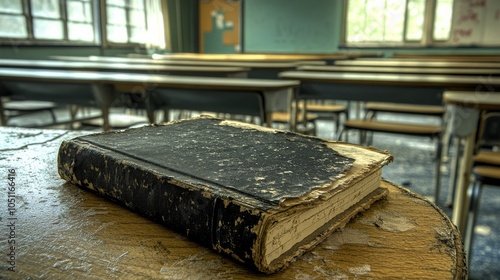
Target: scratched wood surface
<point>64,232</point>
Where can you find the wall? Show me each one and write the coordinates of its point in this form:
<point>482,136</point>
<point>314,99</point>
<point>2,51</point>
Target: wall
<point>291,26</point>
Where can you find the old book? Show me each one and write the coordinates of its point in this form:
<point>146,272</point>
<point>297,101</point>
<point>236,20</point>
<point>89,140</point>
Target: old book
<point>259,195</point>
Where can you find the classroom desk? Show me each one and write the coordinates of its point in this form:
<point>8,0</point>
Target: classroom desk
<point>98,89</point>
<point>258,70</point>
<point>397,88</point>
<point>64,232</point>
<point>299,59</point>
<point>477,102</point>
<point>191,62</point>
<point>449,57</point>
<point>388,62</point>
<point>402,70</point>
<point>193,70</point>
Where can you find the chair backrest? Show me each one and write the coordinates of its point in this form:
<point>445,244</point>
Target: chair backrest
<point>489,132</point>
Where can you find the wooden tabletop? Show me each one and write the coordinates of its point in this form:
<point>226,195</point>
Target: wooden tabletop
<point>473,99</point>
<point>63,232</point>
<point>298,59</point>
<point>144,80</point>
<point>444,81</point>
<point>251,57</point>
<point>387,62</point>
<point>249,64</point>
<point>401,70</point>
<point>124,67</point>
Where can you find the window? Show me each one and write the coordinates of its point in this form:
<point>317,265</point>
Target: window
<point>77,21</point>
<point>126,21</point>
<point>397,21</point>
<point>47,20</point>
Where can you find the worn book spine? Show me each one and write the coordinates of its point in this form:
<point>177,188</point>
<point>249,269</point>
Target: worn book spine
<point>200,214</point>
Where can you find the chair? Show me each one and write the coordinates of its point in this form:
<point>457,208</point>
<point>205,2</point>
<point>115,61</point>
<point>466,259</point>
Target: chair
<point>15,108</point>
<point>488,139</point>
<point>308,126</point>
<point>373,108</point>
<point>329,111</point>
<point>483,175</point>
<point>486,171</point>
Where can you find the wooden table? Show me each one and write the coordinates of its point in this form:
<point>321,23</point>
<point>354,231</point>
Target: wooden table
<point>397,88</point>
<point>258,70</point>
<point>194,70</point>
<point>298,59</point>
<point>387,62</point>
<point>98,88</point>
<point>477,102</point>
<point>62,231</point>
<point>402,70</point>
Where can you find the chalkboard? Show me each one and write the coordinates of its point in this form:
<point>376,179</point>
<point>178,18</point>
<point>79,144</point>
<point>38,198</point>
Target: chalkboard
<point>291,26</point>
<point>476,22</point>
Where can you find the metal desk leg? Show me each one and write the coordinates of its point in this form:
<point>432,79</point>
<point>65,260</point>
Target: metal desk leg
<point>105,96</point>
<point>461,203</point>
<point>3,117</point>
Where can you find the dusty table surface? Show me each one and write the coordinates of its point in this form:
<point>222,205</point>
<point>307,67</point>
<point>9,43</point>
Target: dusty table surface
<point>62,232</point>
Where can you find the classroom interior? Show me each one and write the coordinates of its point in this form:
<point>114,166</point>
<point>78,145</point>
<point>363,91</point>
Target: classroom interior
<point>299,37</point>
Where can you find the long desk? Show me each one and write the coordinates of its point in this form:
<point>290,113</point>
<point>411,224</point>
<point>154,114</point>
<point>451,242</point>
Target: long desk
<point>191,70</point>
<point>65,232</point>
<point>258,70</point>
<point>387,62</point>
<point>402,70</point>
<point>98,89</point>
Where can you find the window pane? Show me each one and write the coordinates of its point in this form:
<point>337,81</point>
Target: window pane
<point>81,32</point>
<point>442,19</point>
<point>374,20</point>
<point>75,11</point>
<point>45,8</point>
<point>48,29</point>
<point>415,19</point>
<point>121,3</point>
<point>87,8</point>
<point>116,15</point>
<point>11,6</point>
<point>138,4</point>
<point>394,18</point>
<point>137,35</point>
<point>355,21</point>
<point>137,18</point>
<point>13,26</point>
<point>117,34</point>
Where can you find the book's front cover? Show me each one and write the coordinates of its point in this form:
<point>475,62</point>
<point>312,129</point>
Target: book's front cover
<point>268,166</point>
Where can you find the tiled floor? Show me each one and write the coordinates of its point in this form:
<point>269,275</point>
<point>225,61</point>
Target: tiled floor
<point>413,167</point>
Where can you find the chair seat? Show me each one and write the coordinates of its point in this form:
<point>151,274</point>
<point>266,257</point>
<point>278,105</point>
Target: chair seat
<point>29,106</point>
<point>392,127</point>
<point>487,158</point>
<point>284,117</point>
<point>326,108</point>
<point>488,175</point>
<point>405,108</point>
